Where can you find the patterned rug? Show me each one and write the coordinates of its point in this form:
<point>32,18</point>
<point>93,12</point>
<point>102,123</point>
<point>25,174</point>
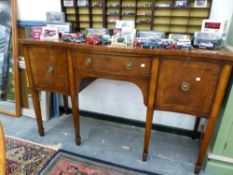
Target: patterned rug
<point>24,157</point>
<point>67,163</point>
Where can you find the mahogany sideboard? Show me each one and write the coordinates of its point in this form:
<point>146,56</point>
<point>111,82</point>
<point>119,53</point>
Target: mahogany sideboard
<point>191,82</point>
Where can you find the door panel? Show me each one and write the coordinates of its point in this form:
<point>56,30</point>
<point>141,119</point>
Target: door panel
<point>187,86</point>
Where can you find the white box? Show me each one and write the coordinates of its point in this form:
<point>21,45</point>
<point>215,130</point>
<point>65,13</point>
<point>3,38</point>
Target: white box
<point>214,26</point>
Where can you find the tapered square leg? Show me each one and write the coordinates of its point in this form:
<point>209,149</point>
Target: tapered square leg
<point>41,132</point>
<point>149,118</point>
<point>197,169</point>
<point>195,132</point>
<point>36,104</point>
<point>145,156</point>
<point>150,106</point>
<point>76,119</point>
<point>78,140</point>
<point>74,100</point>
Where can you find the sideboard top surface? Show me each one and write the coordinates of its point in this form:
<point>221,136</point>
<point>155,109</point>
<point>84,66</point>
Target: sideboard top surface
<point>211,55</point>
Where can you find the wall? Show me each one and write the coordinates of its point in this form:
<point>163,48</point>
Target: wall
<point>230,35</point>
<point>125,99</point>
<point>35,10</point>
<point>222,9</point>
<point>115,97</point>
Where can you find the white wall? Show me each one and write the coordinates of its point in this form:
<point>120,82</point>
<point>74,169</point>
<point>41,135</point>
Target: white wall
<point>35,10</point>
<point>222,10</point>
<point>115,97</point>
<point>125,99</point>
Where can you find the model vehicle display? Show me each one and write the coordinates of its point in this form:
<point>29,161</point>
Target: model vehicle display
<point>107,36</point>
<point>113,20</point>
<point>95,31</point>
<point>207,45</point>
<point>97,39</point>
<point>144,14</point>
<point>200,3</point>
<point>181,3</point>
<point>82,3</point>
<point>147,36</point>
<point>170,16</point>
<point>36,32</point>
<point>113,13</point>
<point>188,47</point>
<point>97,4</point>
<point>93,39</point>
<point>145,5</point>
<point>55,17</point>
<point>128,13</point>
<point>181,42</point>
<point>151,44</point>
<point>105,41</point>
<point>139,41</point>
<point>128,5</point>
<point>184,44</point>
<point>62,27</point>
<point>73,40</point>
<point>176,36</point>
<point>114,5</point>
<point>73,37</point>
<point>129,24</point>
<point>68,3</point>
<point>208,40</point>
<point>116,31</point>
<point>163,4</point>
<point>49,34</point>
<point>119,40</point>
<point>125,36</point>
<point>122,39</point>
<point>150,34</point>
<point>167,44</point>
<point>144,21</point>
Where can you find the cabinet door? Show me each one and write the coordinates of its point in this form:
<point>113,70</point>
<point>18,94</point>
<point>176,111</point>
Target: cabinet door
<point>49,69</point>
<point>187,86</point>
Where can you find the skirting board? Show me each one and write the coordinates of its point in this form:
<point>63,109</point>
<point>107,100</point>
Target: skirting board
<point>118,119</point>
<point>218,168</point>
<point>220,158</point>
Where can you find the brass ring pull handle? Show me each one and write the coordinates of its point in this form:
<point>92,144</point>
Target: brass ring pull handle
<point>185,86</point>
<point>129,65</point>
<point>50,69</point>
<point>88,61</point>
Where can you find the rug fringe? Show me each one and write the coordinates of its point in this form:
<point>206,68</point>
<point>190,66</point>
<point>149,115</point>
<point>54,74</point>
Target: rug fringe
<point>54,147</point>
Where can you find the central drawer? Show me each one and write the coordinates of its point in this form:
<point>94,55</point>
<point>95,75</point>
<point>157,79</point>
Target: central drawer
<point>111,63</point>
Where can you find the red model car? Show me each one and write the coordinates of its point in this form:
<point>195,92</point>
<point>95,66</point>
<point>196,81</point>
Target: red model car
<point>93,40</point>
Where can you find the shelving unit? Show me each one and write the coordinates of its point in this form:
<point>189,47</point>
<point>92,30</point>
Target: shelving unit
<point>147,14</point>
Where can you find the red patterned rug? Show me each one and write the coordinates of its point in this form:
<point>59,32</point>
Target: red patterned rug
<point>67,163</point>
<point>24,157</point>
